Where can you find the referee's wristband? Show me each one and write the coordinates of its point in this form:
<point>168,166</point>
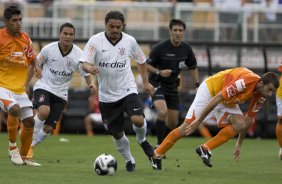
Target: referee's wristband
<point>197,84</point>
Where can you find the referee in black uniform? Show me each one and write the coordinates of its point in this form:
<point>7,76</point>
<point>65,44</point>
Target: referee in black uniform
<point>165,62</point>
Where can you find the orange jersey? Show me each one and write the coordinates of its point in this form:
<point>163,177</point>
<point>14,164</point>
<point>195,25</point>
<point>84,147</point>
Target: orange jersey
<point>279,90</point>
<point>16,53</point>
<point>236,86</point>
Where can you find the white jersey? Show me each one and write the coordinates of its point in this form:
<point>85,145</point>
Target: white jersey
<point>58,69</point>
<point>115,77</point>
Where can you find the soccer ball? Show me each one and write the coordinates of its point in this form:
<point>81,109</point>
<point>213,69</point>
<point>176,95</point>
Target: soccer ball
<point>105,164</point>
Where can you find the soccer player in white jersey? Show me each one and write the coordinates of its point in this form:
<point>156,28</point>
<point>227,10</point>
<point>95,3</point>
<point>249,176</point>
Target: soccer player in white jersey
<point>59,60</point>
<point>107,55</point>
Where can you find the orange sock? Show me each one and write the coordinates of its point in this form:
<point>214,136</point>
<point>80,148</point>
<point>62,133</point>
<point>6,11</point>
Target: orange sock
<point>279,133</point>
<point>223,136</point>
<point>169,141</point>
<point>204,131</point>
<point>26,139</point>
<point>12,127</point>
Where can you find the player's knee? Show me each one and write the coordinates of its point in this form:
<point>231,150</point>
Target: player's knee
<point>162,114</point>
<point>137,120</point>
<point>15,110</point>
<point>28,122</point>
<point>43,112</point>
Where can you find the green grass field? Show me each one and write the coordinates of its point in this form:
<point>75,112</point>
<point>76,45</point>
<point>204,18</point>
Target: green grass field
<point>72,163</point>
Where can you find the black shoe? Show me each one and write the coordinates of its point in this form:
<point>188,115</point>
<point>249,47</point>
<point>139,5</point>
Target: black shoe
<point>130,167</point>
<point>205,155</point>
<point>147,148</point>
<point>156,163</point>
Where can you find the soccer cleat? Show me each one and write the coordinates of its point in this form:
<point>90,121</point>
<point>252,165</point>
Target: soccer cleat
<point>205,155</point>
<point>147,148</point>
<point>156,163</point>
<point>15,157</point>
<point>130,167</point>
<point>30,153</point>
<point>31,162</point>
<point>280,154</point>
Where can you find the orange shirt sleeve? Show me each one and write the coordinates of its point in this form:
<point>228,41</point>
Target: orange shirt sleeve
<point>255,105</point>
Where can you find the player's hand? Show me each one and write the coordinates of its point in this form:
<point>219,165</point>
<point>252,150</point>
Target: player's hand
<point>237,153</point>
<point>37,72</point>
<point>93,69</point>
<point>93,88</point>
<point>191,127</point>
<point>149,88</point>
<point>165,73</point>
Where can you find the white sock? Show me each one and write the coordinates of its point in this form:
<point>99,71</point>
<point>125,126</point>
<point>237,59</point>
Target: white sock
<point>12,144</point>
<point>41,135</point>
<point>140,132</point>
<point>37,127</point>
<point>122,145</point>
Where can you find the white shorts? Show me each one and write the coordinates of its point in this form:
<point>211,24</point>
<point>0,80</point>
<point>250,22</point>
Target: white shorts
<point>220,112</point>
<point>9,98</point>
<point>279,106</point>
<point>96,117</point>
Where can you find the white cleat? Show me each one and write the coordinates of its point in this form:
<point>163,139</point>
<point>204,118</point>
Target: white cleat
<point>280,154</point>
<point>15,157</point>
<point>31,162</point>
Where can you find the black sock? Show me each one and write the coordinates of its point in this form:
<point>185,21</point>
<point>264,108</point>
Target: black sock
<point>160,130</point>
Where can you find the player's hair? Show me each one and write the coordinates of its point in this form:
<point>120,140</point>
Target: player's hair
<point>174,22</point>
<point>67,24</point>
<point>10,11</point>
<point>272,78</point>
<point>115,15</point>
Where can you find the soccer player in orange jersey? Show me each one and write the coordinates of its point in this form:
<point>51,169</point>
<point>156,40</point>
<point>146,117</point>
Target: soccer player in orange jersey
<point>278,129</point>
<point>18,64</point>
<point>219,96</point>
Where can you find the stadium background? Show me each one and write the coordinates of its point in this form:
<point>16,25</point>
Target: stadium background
<point>222,35</point>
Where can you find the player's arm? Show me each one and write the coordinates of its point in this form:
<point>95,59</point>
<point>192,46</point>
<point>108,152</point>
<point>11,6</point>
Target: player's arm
<point>33,70</point>
<point>88,68</point>
<point>195,77</point>
<point>153,69</point>
<point>91,83</point>
<point>142,68</point>
<point>255,105</point>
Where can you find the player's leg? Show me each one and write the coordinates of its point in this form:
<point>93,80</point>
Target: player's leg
<point>159,103</point>
<point>113,119</point>
<point>9,104</point>
<point>235,123</point>
<point>57,106</point>
<point>41,104</point>
<point>134,109</point>
<point>278,129</point>
<point>88,125</point>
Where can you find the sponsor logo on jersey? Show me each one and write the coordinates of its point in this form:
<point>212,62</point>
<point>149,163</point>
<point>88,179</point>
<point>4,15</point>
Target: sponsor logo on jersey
<point>17,54</point>
<point>171,55</point>
<point>112,65</point>
<point>61,73</point>
<point>235,88</point>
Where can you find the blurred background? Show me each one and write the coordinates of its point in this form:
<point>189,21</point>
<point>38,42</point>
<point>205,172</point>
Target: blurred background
<point>222,33</point>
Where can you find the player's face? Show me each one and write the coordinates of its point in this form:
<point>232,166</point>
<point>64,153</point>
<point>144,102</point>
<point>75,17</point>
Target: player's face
<point>113,29</point>
<point>67,36</point>
<point>14,24</point>
<point>265,90</point>
<point>176,34</point>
